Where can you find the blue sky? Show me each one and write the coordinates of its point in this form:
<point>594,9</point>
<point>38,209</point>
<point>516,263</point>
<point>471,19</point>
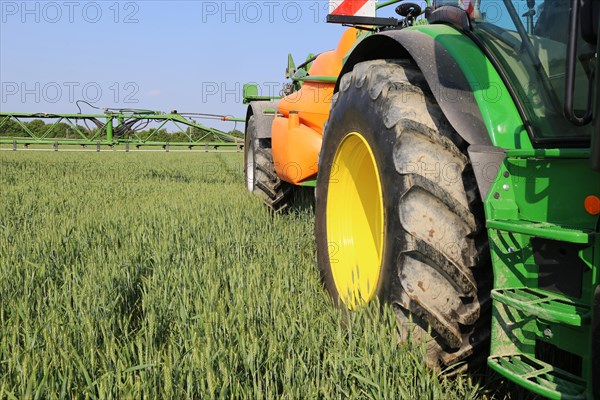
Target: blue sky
<point>193,56</point>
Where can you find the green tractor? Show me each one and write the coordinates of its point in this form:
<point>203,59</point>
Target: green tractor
<point>455,158</point>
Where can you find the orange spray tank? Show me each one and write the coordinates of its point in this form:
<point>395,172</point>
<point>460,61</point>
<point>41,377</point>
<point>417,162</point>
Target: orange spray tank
<point>297,129</point>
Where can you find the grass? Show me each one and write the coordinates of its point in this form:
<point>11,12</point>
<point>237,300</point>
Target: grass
<point>156,276</point>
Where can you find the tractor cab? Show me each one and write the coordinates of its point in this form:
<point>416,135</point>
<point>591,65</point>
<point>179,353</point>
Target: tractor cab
<point>549,62</point>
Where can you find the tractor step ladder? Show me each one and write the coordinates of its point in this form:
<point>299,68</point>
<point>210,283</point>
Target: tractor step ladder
<point>544,305</point>
<point>543,230</point>
<point>524,369</point>
<point>538,376</point>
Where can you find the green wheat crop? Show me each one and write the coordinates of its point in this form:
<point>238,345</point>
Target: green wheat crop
<point>128,276</point>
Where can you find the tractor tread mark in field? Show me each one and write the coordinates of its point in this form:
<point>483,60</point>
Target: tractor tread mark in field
<point>437,275</point>
<point>260,171</point>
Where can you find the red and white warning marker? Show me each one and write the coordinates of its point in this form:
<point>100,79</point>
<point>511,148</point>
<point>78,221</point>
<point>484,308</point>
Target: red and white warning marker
<point>468,6</point>
<point>471,7</point>
<point>363,8</point>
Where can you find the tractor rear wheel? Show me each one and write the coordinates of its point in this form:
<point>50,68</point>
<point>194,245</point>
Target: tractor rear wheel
<point>259,170</point>
<point>399,215</point>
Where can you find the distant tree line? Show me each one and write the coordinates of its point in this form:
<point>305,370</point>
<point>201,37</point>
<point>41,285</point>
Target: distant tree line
<point>63,130</point>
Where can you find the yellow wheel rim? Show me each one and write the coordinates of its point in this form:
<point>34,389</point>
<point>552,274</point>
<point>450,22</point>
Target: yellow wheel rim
<point>355,221</point>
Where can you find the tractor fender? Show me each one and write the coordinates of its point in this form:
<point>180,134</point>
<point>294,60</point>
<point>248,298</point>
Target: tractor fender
<point>448,83</point>
<point>262,120</point>
<point>449,86</point>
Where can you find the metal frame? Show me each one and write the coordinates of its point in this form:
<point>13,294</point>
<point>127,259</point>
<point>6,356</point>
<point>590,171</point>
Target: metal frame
<point>115,128</point>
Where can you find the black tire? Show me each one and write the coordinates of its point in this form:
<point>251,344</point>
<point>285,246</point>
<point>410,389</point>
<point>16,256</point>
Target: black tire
<point>435,268</point>
<point>259,171</point>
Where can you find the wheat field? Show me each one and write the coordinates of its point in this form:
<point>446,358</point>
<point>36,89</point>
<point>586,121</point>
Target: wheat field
<point>141,275</point>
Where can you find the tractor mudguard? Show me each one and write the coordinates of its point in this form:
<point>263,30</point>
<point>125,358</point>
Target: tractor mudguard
<point>264,113</point>
<point>449,85</point>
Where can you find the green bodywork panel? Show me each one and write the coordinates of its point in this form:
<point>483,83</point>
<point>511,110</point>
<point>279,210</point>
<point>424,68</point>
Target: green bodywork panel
<point>500,115</point>
<point>536,199</point>
<point>309,183</point>
<point>542,197</point>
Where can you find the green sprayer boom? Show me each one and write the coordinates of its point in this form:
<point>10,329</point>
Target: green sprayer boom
<point>115,127</point>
